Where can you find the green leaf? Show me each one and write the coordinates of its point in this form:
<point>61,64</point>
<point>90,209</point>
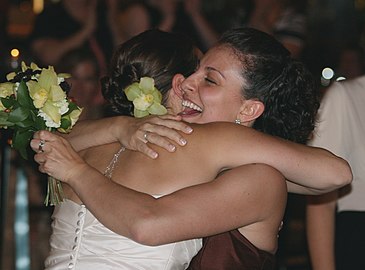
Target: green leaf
<point>8,102</point>
<point>38,122</point>
<point>19,114</point>
<point>23,96</point>
<point>27,123</point>
<point>65,123</point>
<point>4,123</point>
<point>21,141</point>
<point>71,107</point>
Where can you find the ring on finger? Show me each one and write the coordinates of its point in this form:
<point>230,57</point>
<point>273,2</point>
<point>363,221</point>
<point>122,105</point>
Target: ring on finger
<point>41,145</point>
<point>145,136</point>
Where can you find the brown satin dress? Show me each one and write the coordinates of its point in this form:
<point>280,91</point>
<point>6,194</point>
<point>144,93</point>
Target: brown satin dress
<point>231,251</point>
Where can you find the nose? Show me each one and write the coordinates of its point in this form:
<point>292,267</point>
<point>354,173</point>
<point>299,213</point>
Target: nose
<point>189,85</point>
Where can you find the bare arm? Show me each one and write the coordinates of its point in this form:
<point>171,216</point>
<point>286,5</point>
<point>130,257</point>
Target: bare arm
<point>245,146</point>
<point>321,230</point>
<point>189,213</point>
<point>309,170</point>
<point>129,131</point>
<point>317,169</point>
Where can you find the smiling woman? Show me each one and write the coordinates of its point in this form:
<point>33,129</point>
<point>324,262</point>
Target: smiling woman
<point>168,200</point>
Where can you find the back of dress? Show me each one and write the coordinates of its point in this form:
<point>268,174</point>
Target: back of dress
<point>79,241</point>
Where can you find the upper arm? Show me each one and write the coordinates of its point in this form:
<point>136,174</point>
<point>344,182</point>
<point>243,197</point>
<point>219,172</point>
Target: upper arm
<point>229,202</point>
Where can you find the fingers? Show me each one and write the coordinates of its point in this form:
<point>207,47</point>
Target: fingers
<point>173,121</point>
<point>143,148</point>
<point>40,139</point>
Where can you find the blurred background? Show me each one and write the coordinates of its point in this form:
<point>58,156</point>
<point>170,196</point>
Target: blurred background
<point>78,38</point>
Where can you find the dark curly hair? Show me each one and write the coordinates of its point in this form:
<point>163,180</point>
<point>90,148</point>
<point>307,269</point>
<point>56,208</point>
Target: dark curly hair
<point>153,53</point>
<point>283,85</point>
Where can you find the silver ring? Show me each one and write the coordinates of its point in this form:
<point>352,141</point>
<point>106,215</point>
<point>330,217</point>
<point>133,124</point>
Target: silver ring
<point>41,145</point>
<point>145,136</point>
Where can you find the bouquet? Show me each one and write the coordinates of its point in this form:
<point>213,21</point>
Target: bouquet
<point>34,99</point>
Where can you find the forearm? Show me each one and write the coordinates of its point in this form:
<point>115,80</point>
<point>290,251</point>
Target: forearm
<point>311,167</point>
<point>185,214</point>
<point>321,231</point>
<point>299,189</point>
<point>316,169</point>
<point>88,133</point>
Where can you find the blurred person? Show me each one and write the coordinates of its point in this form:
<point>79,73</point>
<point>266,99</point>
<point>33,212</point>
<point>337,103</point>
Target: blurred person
<point>70,24</point>
<point>177,16</point>
<point>84,82</point>
<point>284,19</point>
<point>137,16</point>
<point>206,34</point>
<point>336,221</point>
<point>351,62</point>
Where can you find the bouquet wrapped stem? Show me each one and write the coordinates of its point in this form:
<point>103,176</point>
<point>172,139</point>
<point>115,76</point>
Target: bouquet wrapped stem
<point>54,192</point>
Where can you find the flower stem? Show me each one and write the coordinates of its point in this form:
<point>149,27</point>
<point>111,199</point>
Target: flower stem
<point>54,192</point>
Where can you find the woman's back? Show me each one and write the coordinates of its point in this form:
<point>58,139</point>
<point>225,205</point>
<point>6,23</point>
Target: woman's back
<point>210,150</point>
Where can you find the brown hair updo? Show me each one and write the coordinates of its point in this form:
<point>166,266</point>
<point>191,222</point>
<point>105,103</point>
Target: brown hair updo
<point>153,53</point>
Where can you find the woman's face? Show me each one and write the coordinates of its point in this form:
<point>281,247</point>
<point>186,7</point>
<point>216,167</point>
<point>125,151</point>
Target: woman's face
<point>213,92</point>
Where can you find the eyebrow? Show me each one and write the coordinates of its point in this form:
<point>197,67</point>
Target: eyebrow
<point>216,70</point>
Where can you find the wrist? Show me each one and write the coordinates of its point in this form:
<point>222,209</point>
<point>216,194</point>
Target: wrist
<point>119,126</point>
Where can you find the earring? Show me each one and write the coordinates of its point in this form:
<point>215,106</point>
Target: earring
<point>237,121</point>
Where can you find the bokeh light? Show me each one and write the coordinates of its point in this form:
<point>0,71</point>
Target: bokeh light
<point>328,73</point>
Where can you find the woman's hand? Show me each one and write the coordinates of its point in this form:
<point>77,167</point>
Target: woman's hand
<point>56,157</point>
<point>158,130</point>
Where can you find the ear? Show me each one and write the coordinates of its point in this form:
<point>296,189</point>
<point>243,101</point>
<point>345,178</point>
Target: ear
<point>176,84</point>
<point>250,111</point>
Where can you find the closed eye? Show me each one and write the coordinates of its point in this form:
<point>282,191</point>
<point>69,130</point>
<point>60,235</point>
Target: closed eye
<point>210,81</point>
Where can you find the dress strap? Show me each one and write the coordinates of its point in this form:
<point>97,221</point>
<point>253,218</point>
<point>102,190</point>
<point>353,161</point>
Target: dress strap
<point>110,168</point>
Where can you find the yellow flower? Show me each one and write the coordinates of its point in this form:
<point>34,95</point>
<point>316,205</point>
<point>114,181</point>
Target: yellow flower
<point>48,96</point>
<point>6,90</point>
<point>46,88</point>
<point>32,66</point>
<point>40,97</point>
<point>145,97</point>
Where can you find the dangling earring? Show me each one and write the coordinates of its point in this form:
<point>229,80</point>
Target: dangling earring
<point>237,121</point>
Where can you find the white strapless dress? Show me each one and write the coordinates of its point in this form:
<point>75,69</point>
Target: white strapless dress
<point>79,241</point>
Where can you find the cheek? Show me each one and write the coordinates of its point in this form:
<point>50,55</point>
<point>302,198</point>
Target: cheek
<point>173,103</point>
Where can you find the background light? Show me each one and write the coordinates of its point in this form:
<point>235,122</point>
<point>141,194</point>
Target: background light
<point>327,73</point>
<point>14,52</point>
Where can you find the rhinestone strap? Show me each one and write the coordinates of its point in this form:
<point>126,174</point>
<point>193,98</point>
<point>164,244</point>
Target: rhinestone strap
<point>110,168</point>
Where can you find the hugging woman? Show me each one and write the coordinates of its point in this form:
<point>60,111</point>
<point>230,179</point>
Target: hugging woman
<point>244,86</point>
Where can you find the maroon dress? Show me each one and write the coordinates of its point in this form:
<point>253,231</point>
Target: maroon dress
<point>231,251</point>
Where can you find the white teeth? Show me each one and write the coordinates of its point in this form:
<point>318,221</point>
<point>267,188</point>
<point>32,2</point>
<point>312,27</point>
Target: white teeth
<point>191,105</point>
